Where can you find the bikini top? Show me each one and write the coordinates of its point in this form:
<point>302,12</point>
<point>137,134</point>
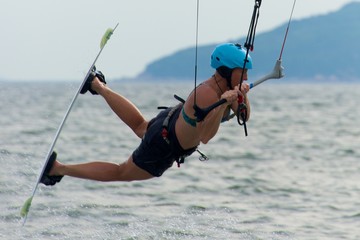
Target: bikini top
<point>193,121</point>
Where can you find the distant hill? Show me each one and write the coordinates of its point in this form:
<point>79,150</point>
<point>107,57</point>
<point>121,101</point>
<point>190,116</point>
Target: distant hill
<point>320,47</point>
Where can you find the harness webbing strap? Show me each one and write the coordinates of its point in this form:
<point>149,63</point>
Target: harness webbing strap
<point>165,130</point>
<point>165,124</point>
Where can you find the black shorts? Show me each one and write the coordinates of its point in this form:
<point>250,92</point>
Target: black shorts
<point>154,154</point>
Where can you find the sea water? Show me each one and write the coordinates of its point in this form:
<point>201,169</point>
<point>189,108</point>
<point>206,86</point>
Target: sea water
<point>296,176</point>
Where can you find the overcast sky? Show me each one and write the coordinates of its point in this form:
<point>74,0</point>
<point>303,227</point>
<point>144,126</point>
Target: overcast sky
<point>58,40</point>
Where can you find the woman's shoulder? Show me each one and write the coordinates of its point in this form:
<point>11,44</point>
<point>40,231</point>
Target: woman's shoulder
<point>205,93</point>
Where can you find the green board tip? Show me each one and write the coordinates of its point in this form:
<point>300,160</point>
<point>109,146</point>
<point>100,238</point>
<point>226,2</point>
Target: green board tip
<point>106,37</point>
<point>25,208</point>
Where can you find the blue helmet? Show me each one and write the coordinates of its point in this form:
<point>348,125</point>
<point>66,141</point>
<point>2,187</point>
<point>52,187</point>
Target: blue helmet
<point>231,56</point>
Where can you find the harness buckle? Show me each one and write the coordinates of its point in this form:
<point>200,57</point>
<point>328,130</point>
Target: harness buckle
<point>164,134</point>
<point>180,161</point>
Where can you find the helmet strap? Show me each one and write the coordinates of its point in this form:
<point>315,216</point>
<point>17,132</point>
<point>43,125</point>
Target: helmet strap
<point>228,81</point>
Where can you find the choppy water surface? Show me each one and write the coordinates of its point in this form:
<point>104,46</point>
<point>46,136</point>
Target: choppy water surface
<point>296,176</point>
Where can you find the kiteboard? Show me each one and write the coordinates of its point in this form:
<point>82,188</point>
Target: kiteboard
<point>27,204</point>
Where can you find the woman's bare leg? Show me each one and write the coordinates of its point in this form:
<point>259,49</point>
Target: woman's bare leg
<point>125,109</point>
<point>105,171</point>
<point>102,171</point>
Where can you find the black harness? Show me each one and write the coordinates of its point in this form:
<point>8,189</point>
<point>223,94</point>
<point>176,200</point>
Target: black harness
<point>165,130</point>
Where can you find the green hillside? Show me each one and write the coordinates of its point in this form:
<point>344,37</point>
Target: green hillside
<point>322,47</point>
